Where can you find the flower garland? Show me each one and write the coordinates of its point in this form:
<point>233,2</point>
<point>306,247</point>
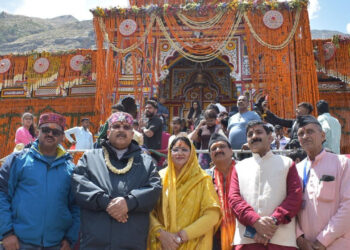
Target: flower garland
<point>114,169</point>
<point>285,42</point>
<point>11,110</point>
<point>204,25</point>
<point>134,45</point>
<point>199,8</point>
<point>203,58</point>
<point>200,43</point>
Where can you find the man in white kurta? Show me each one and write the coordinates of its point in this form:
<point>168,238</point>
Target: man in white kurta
<point>324,220</point>
<point>83,137</point>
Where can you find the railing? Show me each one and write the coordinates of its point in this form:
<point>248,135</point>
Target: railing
<point>236,152</point>
<point>162,153</point>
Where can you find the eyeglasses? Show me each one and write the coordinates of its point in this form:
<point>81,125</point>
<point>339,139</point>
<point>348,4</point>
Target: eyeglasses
<point>118,126</point>
<point>179,150</point>
<point>55,132</point>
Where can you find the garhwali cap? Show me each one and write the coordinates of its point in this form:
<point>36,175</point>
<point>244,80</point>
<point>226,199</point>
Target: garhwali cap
<point>120,117</point>
<point>52,118</point>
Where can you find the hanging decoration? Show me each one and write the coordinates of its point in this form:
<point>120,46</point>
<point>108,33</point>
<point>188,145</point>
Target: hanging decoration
<point>76,63</point>
<point>199,8</point>
<point>269,45</point>
<point>329,50</point>
<point>201,25</point>
<point>282,65</point>
<point>5,65</point>
<point>11,110</point>
<point>205,57</point>
<point>127,27</point>
<point>273,19</point>
<point>278,44</point>
<point>333,57</point>
<point>41,65</point>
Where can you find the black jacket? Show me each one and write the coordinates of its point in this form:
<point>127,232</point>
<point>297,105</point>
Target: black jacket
<point>95,186</point>
<point>288,123</point>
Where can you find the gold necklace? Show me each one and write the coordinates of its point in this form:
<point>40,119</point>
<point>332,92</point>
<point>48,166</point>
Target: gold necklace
<point>114,169</point>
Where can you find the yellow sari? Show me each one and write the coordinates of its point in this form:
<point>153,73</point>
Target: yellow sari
<point>186,198</point>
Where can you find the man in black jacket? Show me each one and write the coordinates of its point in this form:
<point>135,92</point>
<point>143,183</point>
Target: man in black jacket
<point>303,108</point>
<point>116,187</point>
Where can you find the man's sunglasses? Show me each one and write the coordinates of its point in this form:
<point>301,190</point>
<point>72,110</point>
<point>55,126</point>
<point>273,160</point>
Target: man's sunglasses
<point>124,126</point>
<point>55,132</point>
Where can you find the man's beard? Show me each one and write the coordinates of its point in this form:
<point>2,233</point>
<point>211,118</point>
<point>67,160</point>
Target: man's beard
<point>149,114</point>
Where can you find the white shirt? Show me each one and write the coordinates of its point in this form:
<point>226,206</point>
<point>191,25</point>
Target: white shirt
<point>83,137</point>
<point>332,128</point>
<point>283,142</point>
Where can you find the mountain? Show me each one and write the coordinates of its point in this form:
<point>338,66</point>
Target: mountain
<point>21,34</point>
<point>326,34</point>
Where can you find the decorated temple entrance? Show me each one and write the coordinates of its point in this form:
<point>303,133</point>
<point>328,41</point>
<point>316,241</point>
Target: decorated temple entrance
<point>203,82</point>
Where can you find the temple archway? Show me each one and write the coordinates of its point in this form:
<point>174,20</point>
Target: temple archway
<point>188,81</point>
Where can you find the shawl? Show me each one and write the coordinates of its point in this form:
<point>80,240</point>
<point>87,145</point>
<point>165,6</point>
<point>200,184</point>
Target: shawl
<point>227,228</point>
<point>184,199</point>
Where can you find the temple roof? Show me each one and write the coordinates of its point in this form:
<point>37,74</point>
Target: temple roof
<point>140,3</point>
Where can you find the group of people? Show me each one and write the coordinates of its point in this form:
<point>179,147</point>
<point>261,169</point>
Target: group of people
<point>116,198</point>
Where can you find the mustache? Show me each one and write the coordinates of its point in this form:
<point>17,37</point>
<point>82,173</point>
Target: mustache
<point>256,140</point>
<point>218,153</point>
<point>49,137</point>
<point>121,135</point>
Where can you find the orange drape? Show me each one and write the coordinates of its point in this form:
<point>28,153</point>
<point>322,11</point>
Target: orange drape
<point>337,66</point>
<point>287,75</point>
<point>11,110</point>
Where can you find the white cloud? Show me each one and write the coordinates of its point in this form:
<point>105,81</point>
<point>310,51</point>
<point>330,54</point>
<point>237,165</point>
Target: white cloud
<point>314,7</point>
<point>348,28</point>
<point>53,8</point>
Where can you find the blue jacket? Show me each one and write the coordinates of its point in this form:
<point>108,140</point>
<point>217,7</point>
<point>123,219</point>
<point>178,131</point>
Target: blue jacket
<point>35,198</point>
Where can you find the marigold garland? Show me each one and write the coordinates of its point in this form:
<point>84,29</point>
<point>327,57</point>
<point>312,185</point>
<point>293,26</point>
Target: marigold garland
<point>202,58</point>
<point>144,8</point>
<point>201,25</point>
<point>339,65</point>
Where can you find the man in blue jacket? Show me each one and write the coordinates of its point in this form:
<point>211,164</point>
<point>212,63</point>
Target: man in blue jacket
<point>36,205</point>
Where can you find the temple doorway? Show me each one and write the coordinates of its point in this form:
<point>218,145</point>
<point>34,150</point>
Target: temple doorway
<point>190,81</point>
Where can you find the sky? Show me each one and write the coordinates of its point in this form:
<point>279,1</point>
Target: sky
<point>324,14</point>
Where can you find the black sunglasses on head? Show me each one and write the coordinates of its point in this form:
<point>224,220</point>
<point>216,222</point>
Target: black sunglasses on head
<point>55,132</point>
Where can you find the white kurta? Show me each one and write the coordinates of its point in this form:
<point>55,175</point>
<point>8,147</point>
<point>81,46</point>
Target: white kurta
<point>83,137</point>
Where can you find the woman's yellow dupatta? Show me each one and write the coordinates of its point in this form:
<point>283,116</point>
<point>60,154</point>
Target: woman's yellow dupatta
<point>183,202</point>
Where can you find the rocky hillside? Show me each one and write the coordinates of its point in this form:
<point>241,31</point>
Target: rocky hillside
<point>325,34</point>
<point>21,34</point>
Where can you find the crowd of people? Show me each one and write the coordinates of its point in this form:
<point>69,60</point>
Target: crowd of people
<point>121,194</point>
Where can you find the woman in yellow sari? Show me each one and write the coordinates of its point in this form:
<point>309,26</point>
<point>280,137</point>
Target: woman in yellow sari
<point>188,212</point>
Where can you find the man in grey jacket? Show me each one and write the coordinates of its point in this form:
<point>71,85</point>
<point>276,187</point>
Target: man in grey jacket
<point>116,187</point>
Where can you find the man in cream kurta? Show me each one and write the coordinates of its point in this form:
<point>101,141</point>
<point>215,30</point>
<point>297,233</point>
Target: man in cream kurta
<point>265,195</point>
<point>324,220</point>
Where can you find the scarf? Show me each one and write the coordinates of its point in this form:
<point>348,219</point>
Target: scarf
<point>228,224</point>
<point>181,202</point>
